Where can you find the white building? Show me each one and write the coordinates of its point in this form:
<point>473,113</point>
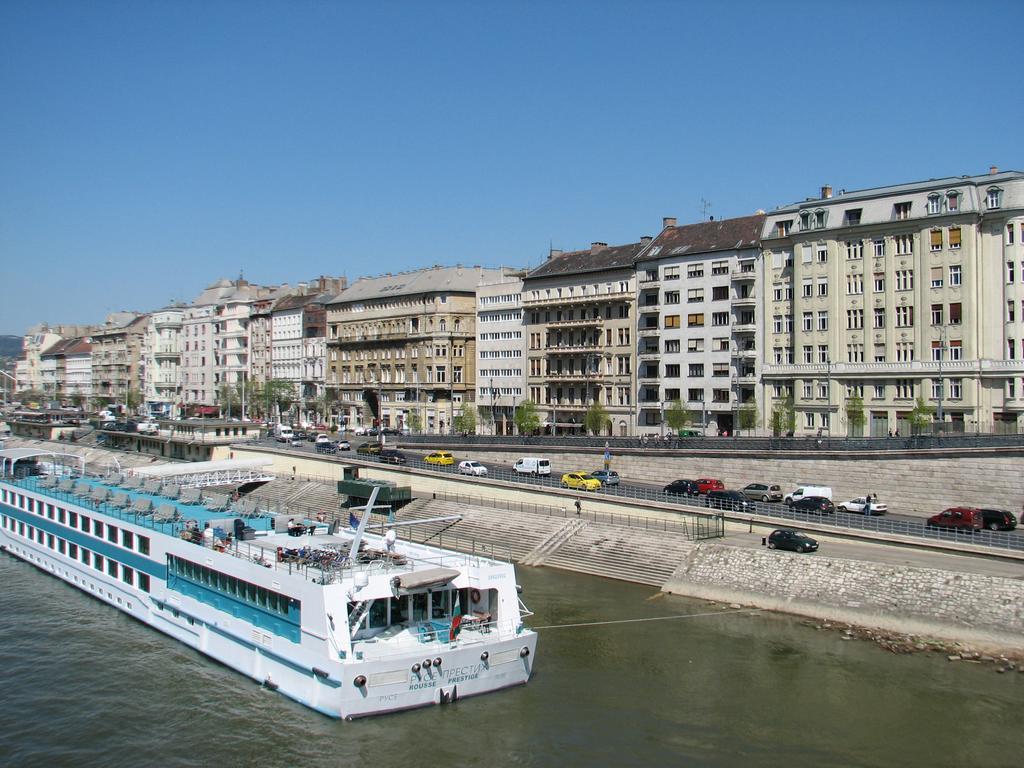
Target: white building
<point>500,352</point>
<point>698,324</point>
<point>163,385</point>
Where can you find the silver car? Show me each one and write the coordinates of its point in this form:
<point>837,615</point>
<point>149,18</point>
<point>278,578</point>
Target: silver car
<point>472,468</point>
<point>762,492</point>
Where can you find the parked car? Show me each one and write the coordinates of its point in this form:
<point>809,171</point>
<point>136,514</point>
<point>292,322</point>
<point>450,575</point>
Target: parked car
<point>606,476</point>
<point>958,518</point>
<point>369,449</point>
<point>733,501</point>
<point>325,447</point>
<point>998,519</point>
<point>705,484</point>
<point>343,445</point>
<point>359,431</point>
<point>860,506</point>
<point>443,458</point>
<point>322,438</point>
<point>808,490</point>
<point>531,465</point>
<point>391,456</point>
<point>689,433</point>
<point>763,492</point>
<point>786,538</point>
<point>580,480</point>
<point>682,488</point>
<point>472,468</point>
<point>817,504</point>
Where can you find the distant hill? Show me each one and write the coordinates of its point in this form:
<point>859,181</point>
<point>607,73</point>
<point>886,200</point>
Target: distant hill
<point>10,346</point>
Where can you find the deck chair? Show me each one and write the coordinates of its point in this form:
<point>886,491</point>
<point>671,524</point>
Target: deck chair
<point>142,507</point>
<point>82,489</point>
<point>152,487</point>
<point>66,486</point>
<point>99,495</point>
<point>50,481</point>
<point>216,502</point>
<point>113,478</point>
<point>191,496</point>
<point>131,483</point>
<point>120,500</point>
<point>170,491</point>
<point>166,513</point>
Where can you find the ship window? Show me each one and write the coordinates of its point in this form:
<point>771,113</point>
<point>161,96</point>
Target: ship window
<point>97,562</point>
<point>379,613</point>
<point>73,551</point>
<point>439,604</point>
<point>112,534</point>
<point>144,545</point>
<point>86,522</point>
<point>86,556</point>
<point>73,519</point>
<point>144,582</point>
<point>97,528</point>
<point>127,574</point>
<point>112,567</point>
<point>127,539</point>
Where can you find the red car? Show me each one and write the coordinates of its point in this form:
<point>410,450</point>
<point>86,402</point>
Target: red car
<point>705,484</point>
<point>965,518</point>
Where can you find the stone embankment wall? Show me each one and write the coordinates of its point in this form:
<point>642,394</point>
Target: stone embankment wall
<point>956,606</point>
<point>910,483</point>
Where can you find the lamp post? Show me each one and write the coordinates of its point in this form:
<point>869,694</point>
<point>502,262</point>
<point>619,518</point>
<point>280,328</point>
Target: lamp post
<point>942,354</point>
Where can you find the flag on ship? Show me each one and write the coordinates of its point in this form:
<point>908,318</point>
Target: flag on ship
<point>456,620</point>
<point>353,521</point>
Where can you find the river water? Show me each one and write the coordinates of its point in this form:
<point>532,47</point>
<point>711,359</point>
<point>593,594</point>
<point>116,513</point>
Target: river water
<point>85,685</point>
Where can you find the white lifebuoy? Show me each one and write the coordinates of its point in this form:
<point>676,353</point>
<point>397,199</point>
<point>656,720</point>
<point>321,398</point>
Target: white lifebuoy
<point>474,595</point>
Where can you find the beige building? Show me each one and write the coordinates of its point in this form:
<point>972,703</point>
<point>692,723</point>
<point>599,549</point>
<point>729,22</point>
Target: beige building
<point>886,295</point>
<point>403,344</point>
<point>118,367</point>
<point>580,326</point>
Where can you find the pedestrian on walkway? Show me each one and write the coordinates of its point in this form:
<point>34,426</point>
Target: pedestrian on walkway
<point>867,505</point>
<point>579,506</point>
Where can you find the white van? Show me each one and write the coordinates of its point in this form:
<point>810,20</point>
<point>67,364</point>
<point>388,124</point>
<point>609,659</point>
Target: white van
<point>802,491</point>
<point>531,465</point>
<point>283,433</point>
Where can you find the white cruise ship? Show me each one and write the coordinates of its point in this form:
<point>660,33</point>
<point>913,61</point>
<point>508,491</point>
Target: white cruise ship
<point>347,622</point>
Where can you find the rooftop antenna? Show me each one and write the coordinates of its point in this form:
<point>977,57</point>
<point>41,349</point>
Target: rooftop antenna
<point>705,209</point>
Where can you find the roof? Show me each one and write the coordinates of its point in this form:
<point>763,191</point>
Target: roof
<point>297,302</point>
<point>457,279</point>
<point>59,348</point>
<point>708,237</point>
<point>594,259</point>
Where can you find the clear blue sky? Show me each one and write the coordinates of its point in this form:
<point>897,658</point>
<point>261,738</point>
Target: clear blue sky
<point>149,148</point>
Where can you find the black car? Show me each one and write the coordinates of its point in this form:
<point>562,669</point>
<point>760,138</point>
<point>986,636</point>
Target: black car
<point>787,538</point>
<point>682,488</point>
<point>998,519</point>
<point>816,504</point>
<point>326,448</point>
<point>733,501</point>
<point>391,456</point>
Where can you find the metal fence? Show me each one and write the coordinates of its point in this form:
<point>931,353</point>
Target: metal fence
<point>999,540</point>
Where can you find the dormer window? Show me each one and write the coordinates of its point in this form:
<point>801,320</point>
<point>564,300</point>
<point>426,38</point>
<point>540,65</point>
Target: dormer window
<point>819,219</point>
<point>994,198</point>
<point>853,216</point>
<point>902,211</point>
<point>782,228</point>
<point>953,201</point>
<point>934,204</point>
<point>805,220</point>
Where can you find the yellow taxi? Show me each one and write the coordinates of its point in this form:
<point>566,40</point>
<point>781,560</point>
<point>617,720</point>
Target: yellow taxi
<point>580,480</point>
<point>443,458</point>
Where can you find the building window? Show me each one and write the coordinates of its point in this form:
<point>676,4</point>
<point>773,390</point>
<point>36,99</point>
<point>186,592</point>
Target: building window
<point>955,313</point>
<point>904,280</point>
<point>879,318</point>
<point>809,420</point>
<point>695,395</point>
<point>936,239</point>
<point>879,282</point>
<point>956,350</point>
<point>672,321</point>
<point>1011,229</point>
<point>808,289</point>
<point>904,245</point>
<point>954,238</point>
<point>696,370</point>
<point>852,217</point>
<point>823,321</point>
<point>808,321</point>
<point>695,321</point>
<point>854,285</point>
<point>719,318</point>
<point>854,249</point>
<point>854,319</point>
<point>956,389</point>
<point>954,274</point>
<point>994,198</point>
<point>806,253</point>
<point>822,254</point>
<point>953,201</point>
<point>808,353</point>
<point>805,220</point>
<point>1009,271</point>
<point>934,204</point>
<point>695,270</point>
<point>819,219</point>
<point>937,314</point>
<point>808,390</point>
<point>902,211</point>
<point>879,391</point>
<point>904,389</point>
<point>720,268</point>
<point>823,287</point>
<point>783,228</point>
<point>720,293</point>
<point>936,277</point>
<point>879,248</point>
<point>904,317</point>
<point>694,295</point>
<point>777,321</point>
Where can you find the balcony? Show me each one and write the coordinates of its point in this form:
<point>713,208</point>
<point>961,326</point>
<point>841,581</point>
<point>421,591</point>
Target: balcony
<point>578,323</point>
<point>744,353</point>
<point>744,301</point>
<point>648,332</point>
<point>648,353</point>
<point>569,349</point>
<point>576,300</point>
<point>750,327</point>
<point>743,273</point>
<point>648,374</point>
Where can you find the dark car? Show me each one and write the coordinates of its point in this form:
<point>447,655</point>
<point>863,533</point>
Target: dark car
<point>794,541</point>
<point>962,518</point>
<point>682,488</point>
<point>998,519</point>
<point>733,501</point>
<point>391,456</point>
<point>705,484</point>
<point>606,476</point>
<point>369,449</point>
<point>326,448</point>
<point>817,504</point>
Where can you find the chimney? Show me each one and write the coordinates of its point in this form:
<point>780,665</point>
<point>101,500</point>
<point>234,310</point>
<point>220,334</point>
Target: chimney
<point>645,240</point>
<point>597,247</point>
<point>668,221</point>
<point>992,170</point>
<point>826,192</point>
<point>554,253</point>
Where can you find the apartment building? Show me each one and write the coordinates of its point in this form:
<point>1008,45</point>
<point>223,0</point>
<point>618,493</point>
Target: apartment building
<point>260,342</point>
<point>28,368</point>
<point>500,352</point>
<point>580,326</point>
<point>118,367</point>
<point>78,372</point>
<point>699,329</point>
<point>298,347</point>
<point>53,369</point>
<point>162,385</point>
<point>877,297</point>
<point>403,344</point>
